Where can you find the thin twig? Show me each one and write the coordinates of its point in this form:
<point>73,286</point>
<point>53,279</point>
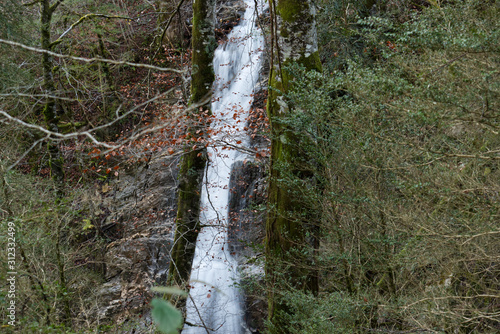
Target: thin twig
<point>51,135</point>
<point>450,297</point>
<point>46,96</point>
<point>89,60</point>
<point>27,151</point>
<point>447,63</point>
<point>85,17</point>
<point>166,27</point>
<point>199,315</point>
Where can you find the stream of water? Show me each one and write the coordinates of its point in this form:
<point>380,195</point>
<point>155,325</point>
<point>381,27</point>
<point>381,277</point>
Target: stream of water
<point>215,302</point>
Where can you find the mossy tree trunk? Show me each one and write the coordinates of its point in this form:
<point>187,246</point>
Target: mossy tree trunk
<point>290,228</point>
<point>51,110</point>
<point>52,113</point>
<point>194,161</point>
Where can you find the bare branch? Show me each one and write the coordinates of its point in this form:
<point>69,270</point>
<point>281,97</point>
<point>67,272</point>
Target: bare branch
<point>83,18</point>
<point>46,96</point>
<point>27,151</point>
<point>166,27</point>
<point>449,297</point>
<point>159,127</point>
<point>31,3</point>
<point>438,69</point>
<point>461,236</point>
<point>54,6</point>
<point>90,60</point>
<point>55,134</point>
<point>470,156</point>
<point>239,148</point>
<point>60,136</point>
<point>199,315</point>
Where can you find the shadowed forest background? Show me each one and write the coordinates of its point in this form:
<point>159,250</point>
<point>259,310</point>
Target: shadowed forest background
<point>397,165</point>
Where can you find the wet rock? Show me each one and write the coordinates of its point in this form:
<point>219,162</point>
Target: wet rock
<point>246,222</point>
<point>178,33</point>
<point>228,14</point>
<point>142,203</point>
<point>246,236</point>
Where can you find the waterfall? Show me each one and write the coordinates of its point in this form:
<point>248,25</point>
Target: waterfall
<point>215,300</point>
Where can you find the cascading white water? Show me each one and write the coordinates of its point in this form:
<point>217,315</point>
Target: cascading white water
<point>215,301</point>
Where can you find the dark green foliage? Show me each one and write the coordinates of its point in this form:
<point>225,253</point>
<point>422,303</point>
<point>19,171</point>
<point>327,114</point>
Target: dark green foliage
<point>405,140</point>
<point>290,227</point>
<point>333,313</point>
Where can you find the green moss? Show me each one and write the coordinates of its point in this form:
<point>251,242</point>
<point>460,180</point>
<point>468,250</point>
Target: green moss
<point>287,223</point>
<point>203,44</point>
<point>188,211</point>
<point>312,62</point>
<point>292,10</point>
<point>69,127</point>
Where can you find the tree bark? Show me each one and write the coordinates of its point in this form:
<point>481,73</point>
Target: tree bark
<point>290,233</point>
<point>51,110</point>
<point>194,161</point>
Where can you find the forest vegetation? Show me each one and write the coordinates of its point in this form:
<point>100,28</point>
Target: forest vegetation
<point>385,157</point>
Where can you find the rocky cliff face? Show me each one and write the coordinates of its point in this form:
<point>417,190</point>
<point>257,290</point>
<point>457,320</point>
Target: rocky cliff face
<point>246,235</point>
<point>142,206</point>
<point>228,13</point>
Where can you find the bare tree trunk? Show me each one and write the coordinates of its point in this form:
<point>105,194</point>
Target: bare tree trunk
<point>51,111</point>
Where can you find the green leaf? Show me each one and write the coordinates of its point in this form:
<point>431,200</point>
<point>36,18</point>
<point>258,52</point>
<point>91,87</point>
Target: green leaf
<point>87,224</point>
<point>166,316</point>
<point>170,290</point>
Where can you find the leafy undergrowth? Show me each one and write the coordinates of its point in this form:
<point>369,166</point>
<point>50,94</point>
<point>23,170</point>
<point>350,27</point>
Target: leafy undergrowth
<point>405,125</point>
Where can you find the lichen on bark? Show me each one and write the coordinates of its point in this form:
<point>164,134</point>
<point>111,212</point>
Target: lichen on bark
<point>288,223</point>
